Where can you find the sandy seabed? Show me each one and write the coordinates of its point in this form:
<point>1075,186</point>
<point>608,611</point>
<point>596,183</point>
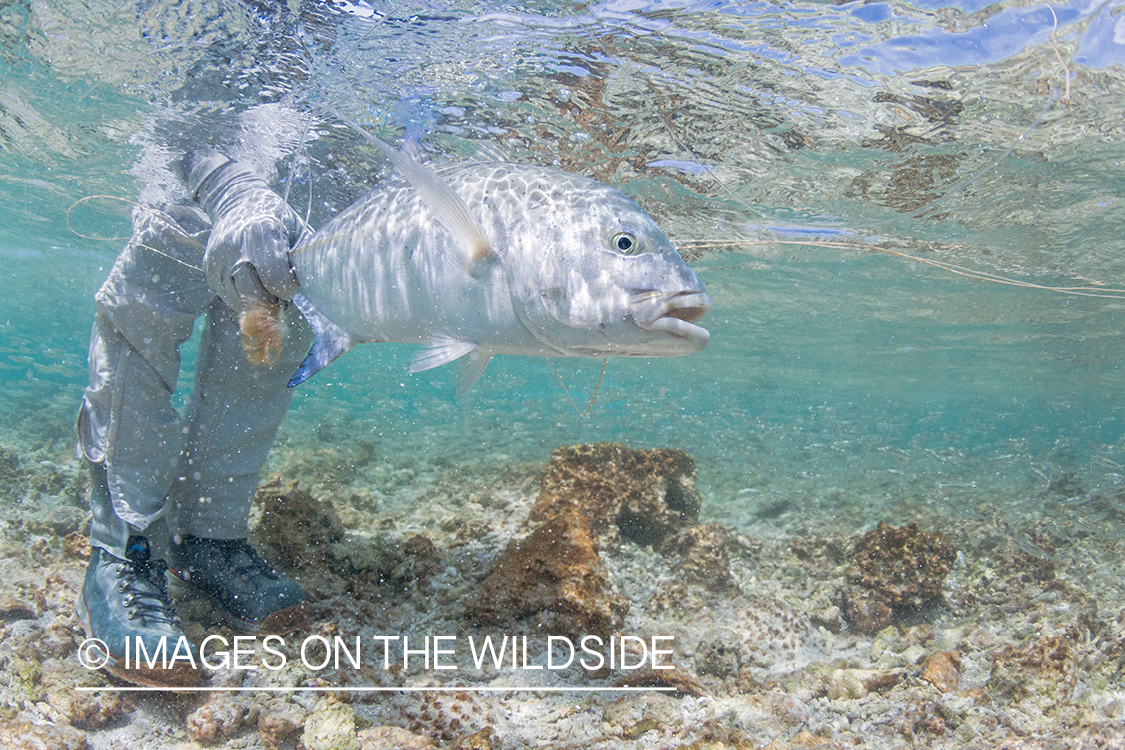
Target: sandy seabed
<point>1023,648</point>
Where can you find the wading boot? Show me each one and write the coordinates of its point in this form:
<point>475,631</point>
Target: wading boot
<point>251,596</point>
<point>125,605</point>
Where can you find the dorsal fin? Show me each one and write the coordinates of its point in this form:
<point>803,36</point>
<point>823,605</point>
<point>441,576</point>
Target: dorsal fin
<point>449,208</point>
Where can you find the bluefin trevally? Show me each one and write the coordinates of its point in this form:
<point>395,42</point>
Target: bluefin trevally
<point>570,267</point>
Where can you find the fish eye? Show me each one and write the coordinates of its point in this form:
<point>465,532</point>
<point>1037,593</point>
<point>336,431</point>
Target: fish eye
<point>625,243</point>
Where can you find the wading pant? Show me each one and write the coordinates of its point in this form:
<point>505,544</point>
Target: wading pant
<point>156,472</point>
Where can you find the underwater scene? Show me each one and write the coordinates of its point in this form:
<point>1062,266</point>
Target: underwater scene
<point>883,507</point>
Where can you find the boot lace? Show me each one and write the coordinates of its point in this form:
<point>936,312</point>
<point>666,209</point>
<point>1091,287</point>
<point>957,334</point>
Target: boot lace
<point>144,590</point>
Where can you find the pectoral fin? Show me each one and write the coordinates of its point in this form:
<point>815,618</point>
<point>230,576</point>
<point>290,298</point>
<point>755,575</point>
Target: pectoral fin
<point>329,342</point>
<point>440,351</point>
<point>445,349</point>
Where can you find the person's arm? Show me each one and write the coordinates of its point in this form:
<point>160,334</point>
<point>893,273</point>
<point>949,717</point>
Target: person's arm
<point>253,230</point>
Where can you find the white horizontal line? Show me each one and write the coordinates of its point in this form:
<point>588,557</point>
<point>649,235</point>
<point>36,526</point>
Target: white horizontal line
<point>350,689</point>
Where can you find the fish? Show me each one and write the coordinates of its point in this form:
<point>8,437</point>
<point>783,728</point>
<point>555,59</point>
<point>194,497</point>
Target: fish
<point>475,259</point>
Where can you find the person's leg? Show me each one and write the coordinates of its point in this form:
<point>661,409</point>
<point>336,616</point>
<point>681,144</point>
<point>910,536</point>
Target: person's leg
<point>132,440</point>
<point>232,418</point>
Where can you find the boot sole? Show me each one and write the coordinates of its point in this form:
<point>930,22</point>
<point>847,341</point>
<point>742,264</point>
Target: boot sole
<point>281,622</point>
<point>179,676</point>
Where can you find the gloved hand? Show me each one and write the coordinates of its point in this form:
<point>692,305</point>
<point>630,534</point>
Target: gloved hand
<point>247,257</point>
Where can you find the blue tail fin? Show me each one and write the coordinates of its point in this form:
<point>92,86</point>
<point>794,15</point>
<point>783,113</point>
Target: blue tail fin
<point>329,342</point>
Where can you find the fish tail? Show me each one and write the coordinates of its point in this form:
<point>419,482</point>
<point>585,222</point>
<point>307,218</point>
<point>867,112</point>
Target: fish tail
<point>263,331</point>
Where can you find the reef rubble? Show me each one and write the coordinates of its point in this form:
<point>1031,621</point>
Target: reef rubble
<point>979,638</point>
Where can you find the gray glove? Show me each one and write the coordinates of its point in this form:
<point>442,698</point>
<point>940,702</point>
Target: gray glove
<point>253,229</point>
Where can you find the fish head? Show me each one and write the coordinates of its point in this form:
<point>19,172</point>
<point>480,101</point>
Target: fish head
<point>593,274</point>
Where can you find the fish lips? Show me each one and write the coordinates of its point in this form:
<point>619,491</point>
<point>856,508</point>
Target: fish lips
<point>674,313</point>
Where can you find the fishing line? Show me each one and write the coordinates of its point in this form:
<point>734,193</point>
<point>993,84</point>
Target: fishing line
<point>151,212</point>
<point>1077,291</point>
<point>303,143</point>
<point>571,400</point>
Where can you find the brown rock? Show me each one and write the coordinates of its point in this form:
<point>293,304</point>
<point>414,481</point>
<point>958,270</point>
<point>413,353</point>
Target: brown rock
<point>299,528</point>
<point>220,717</point>
<point>894,571</point>
<point>76,546</point>
<point>704,557</point>
<point>279,720</point>
<point>642,495</point>
<point>554,573</point>
<point>942,670</point>
<point>86,709</point>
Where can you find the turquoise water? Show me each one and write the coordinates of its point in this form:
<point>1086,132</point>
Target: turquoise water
<point>842,383</point>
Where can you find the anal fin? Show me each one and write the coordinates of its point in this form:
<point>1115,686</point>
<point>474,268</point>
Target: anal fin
<point>329,342</point>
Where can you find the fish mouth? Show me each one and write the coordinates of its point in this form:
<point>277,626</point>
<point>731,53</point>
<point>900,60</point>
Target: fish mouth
<point>675,313</point>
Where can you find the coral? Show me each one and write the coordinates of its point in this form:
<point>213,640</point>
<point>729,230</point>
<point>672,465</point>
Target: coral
<point>773,635</point>
<point>704,557</point>
<point>308,538</point>
<point>718,654</point>
<point>853,684</point>
<point>642,495</point>
<point>894,571</point>
<point>444,717</point>
<point>331,726</point>
<point>280,719</point>
<point>11,475</point>
<point>1092,736</point>
<point>220,717</point>
<point>555,573</point>
<point>84,709</point>
<point>923,717</point>
<point>296,526</point>
<point>481,740</point>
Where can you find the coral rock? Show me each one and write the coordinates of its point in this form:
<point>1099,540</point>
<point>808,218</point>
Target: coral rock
<point>704,558</point>
<point>894,571</point>
<point>445,716</point>
<point>481,740</point>
<point>556,574</point>
<point>392,738</point>
<point>331,727</point>
<point>297,526</point>
<point>279,720</point>
<point>852,684</point>
<point>21,734</point>
<point>942,670</point>
<point>642,495</point>
<point>719,654</point>
<point>220,717</point>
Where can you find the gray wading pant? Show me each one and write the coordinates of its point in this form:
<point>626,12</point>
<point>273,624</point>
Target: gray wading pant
<point>157,472</point>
